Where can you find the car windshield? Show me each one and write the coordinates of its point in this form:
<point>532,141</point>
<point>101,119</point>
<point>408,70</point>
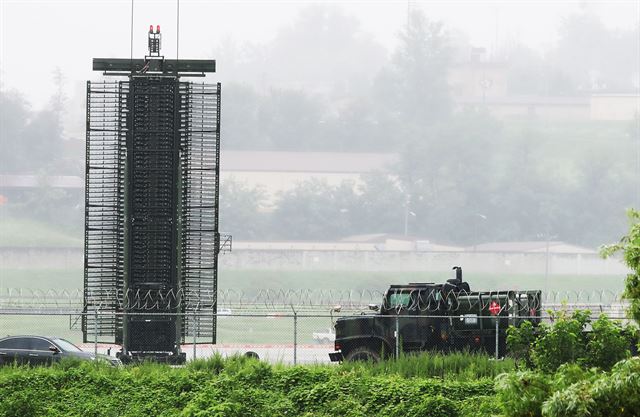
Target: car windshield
<point>66,345</point>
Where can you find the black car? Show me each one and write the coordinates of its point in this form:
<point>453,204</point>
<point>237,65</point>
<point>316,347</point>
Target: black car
<point>39,350</point>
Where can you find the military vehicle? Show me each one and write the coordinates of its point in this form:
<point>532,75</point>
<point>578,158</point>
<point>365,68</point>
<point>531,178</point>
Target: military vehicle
<point>438,317</point>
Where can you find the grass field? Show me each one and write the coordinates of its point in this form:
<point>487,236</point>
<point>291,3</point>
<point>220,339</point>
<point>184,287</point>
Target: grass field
<point>251,281</point>
<point>274,329</point>
<point>28,233</point>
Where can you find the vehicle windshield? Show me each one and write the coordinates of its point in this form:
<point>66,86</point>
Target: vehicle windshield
<point>67,346</point>
<point>399,300</point>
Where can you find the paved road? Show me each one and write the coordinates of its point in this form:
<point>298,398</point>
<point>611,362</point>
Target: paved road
<point>305,354</point>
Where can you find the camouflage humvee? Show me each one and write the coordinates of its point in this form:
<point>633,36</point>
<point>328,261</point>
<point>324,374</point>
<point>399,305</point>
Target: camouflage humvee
<point>439,317</point>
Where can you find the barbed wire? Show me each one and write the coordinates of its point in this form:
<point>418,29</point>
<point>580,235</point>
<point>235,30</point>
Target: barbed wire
<point>302,299</point>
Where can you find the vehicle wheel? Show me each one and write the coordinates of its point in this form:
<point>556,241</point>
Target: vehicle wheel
<point>362,354</point>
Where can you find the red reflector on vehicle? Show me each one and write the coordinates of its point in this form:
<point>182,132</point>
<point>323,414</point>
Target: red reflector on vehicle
<point>494,308</point>
<point>338,346</point>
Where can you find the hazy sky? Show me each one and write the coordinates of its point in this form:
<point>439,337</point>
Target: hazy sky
<point>39,36</point>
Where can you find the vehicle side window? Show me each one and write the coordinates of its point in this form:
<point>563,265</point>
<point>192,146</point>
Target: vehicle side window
<point>39,344</point>
<point>15,343</point>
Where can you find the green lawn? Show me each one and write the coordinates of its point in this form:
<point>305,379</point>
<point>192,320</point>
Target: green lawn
<point>273,329</point>
<point>16,232</point>
<point>252,281</point>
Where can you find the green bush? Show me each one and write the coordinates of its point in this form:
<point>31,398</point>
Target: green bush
<point>572,391</point>
<point>481,406</point>
<point>608,343</point>
<point>519,342</point>
<point>611,394</point>
<point>566,340</point>
<point>523,393</point>
<point>630,247</point>
<point>437,406</point>
<point>230,387</point>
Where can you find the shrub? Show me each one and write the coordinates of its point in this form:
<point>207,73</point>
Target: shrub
<point>481,406</point>
<point>614,394</point>
<point>608,343</point>
<point>630,247</point>
<point>519,342</point>
<point>437,406</point>
<point>523,393</point>
<point>566,340</point>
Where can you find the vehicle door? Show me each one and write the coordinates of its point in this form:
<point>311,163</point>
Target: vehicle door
<point>466,323</point>
<point>14,349</point>
<point>39,352</point>
<point>415,309</point>
<point>401,308</point>
<point>430,322</point>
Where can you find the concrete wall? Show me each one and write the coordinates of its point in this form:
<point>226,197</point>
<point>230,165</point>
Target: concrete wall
<point>618,107</point>
<point>480,262</point>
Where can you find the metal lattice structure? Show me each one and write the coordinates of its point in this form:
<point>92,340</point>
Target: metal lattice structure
<point>104,206</point>
<point>151,204</point>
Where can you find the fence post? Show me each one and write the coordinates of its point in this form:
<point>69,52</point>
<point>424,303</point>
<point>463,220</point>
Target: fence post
<point>95,331</point>
<point>397,336</point>
<point>497,322</point>
<point>295,335</point>
<point>195,332</point>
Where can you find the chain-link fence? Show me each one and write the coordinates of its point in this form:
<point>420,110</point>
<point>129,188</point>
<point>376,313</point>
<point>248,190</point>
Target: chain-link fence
<point>300,335</point>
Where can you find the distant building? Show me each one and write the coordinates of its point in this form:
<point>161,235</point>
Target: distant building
<point>375,242</point>
<point>481,83</point>
<point>617,107</point>
<point>555,247</point>
<point>276,172</point>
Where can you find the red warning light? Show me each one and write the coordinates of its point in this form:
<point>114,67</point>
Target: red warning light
<point>494,308</point>
<point>158,29</point>
<point>150,28</point>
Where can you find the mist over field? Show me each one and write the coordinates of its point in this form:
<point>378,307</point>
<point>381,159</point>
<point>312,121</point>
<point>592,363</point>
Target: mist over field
<point>450,124</point>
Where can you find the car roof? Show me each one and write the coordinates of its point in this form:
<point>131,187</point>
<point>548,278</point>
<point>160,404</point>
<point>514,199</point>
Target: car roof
<point>29,335</point>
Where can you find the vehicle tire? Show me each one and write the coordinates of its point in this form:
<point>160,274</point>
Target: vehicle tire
<point>363,354</point>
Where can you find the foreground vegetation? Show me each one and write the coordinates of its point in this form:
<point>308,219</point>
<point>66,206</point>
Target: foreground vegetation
<point>240,387</point>
<point>236,387</point>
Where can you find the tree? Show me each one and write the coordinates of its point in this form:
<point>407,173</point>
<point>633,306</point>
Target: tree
<point>240,125</point>
<point>415,87</point>
<point>290,120</point>
<point>629,245</point>
<point>324,50</point>
<point>315,210</point>
<point>242,210</point>
<point>595,57</point>
<point>14,118</point>
<point>449,171</point>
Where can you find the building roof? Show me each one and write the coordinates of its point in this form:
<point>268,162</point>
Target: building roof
<point>528,100</point>
<point>325,162</point>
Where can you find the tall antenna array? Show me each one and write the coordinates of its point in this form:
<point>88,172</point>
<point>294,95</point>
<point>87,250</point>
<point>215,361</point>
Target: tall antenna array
<point>151,204</point>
